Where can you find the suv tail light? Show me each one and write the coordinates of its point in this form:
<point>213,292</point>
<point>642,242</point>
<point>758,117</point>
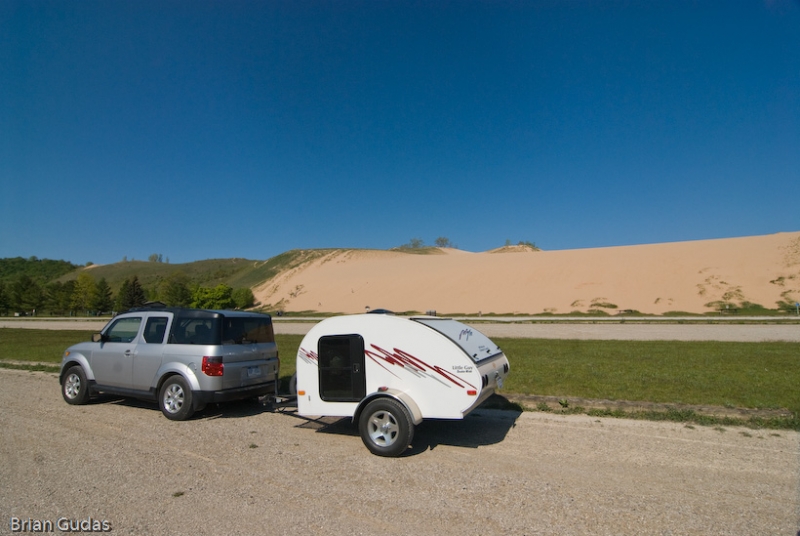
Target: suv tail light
<point>213,365</point>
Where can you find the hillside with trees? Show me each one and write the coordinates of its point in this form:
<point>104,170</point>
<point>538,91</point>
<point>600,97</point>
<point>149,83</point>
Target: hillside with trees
<point>39,270</point>
<point>44,287</point>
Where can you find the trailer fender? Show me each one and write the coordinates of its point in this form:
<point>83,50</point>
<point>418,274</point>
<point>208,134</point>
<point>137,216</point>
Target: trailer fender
<point>400,396</point>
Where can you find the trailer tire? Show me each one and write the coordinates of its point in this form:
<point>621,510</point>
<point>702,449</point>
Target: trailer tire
<point>386,427</point>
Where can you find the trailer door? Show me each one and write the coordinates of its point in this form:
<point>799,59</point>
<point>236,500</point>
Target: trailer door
<point>341,368</point>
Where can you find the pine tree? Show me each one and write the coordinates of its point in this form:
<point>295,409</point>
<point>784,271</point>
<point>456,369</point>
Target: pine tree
<point>4,300</point>
<point>131,294</point>
<point>137,293</point>
<point>103,299</point>
<point>26,295</point>
<point>175,291</point>
<point>124,291</point>
<point>84,294</point>
<point>59,297</point>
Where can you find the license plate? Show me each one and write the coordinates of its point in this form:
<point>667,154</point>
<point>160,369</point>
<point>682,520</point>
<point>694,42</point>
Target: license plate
<point>253,372</point>
<point>499,382</point>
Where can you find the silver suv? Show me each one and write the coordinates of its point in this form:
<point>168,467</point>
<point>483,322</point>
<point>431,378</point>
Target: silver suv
<point>182,358</point>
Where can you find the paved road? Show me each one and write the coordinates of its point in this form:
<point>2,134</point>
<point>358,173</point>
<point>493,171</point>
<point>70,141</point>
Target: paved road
<point>561,330</point>
<point>649,331</point>
<point>242,470</point>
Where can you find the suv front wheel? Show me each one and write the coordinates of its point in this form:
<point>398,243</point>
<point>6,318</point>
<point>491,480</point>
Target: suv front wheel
<point>175,399</point>
<point>75,388</point>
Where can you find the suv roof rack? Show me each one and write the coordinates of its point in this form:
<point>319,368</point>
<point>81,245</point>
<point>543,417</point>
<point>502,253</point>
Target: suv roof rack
<point>149,305</point>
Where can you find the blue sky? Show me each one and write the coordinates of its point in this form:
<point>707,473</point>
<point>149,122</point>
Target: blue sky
<point>200,130</point>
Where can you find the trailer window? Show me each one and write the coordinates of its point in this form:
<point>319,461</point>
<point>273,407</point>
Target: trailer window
<point>341,368</point>
<point>474,343</point>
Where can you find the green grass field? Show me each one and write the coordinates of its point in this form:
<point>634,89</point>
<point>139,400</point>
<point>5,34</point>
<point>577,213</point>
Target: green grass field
<point>746,375</point>
<point>741,375</point>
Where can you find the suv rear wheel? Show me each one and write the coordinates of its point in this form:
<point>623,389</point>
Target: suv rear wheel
<point>175,399</point>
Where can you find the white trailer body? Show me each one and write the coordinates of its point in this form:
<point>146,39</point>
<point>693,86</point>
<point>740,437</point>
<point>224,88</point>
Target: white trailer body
<point>409,368</point>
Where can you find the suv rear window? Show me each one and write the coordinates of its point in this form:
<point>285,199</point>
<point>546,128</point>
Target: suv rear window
<point>246,329</point>
<point>222,330</point>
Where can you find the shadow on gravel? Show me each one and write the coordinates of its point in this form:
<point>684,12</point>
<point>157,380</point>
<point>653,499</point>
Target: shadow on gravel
<point>482,427</point>
<point>122,401</point>
<point>226,410</point>
<point>233,410</point>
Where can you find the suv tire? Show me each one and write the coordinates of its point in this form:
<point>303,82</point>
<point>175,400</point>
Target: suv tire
<point>75,388</point>
<point>175,399</point>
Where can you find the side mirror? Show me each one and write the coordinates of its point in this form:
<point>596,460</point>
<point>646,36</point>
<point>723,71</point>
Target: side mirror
<point>98,337</point>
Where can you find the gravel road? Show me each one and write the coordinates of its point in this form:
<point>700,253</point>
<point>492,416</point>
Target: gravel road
<point>240,469</point>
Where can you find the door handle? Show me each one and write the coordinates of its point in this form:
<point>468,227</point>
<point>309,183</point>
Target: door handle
<point>356,368</point>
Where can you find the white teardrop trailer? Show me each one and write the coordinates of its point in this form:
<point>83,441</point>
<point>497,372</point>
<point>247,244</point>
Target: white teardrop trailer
<point>388,373</point>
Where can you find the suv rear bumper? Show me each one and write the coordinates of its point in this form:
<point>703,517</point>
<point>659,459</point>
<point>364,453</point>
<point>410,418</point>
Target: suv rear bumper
<point>212,397</point>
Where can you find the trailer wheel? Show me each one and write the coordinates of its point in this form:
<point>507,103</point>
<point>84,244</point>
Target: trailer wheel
<point>385,427</point>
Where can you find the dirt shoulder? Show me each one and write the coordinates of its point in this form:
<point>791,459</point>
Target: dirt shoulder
<point>574,404</point>
<point>241,469</point>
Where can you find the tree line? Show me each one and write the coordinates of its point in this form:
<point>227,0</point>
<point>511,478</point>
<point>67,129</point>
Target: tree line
<point>87,296</point>
<point>35,268</point>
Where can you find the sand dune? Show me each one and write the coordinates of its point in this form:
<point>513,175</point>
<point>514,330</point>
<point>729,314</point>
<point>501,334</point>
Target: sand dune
<point>696,277</point>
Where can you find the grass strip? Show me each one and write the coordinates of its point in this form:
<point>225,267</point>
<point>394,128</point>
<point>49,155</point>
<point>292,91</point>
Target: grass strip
<point>730,374</point>
<point>37,367</point>
<point>761,375</point>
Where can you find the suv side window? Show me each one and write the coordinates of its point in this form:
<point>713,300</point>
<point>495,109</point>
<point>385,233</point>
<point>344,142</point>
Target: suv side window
<point>124,329</point>
<point>155,329</point>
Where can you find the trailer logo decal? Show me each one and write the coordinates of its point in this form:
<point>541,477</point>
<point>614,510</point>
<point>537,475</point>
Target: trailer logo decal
<point>465,333</point>
<point>413,364</point>
<point>309,357</point>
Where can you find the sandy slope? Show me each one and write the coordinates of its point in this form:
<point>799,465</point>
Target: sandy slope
<point>681,276</point>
